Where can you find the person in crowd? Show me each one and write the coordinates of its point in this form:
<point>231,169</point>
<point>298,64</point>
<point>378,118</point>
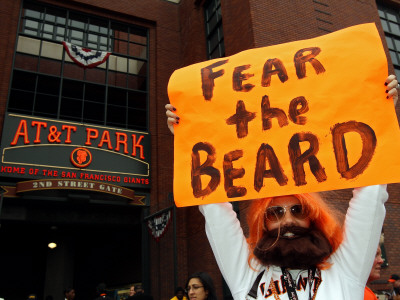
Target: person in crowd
<point>131,292</point>
<point>297,247</point>
<point>101,291</point>
<point>179,294</point>
<point>374,275</point>
<point>140,294</point>
<point>69,293</point>
<point>200,286</point>
<point>395,281</point>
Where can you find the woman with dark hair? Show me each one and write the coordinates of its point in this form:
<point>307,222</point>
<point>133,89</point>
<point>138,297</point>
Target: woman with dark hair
<point>69,293</point>
<point>200,286</point>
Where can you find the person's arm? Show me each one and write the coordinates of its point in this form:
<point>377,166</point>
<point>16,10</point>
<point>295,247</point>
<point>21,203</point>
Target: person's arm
<point>391,84</point>
<point>172,117</point>
<point>229,246</point>
<point>362,230</point>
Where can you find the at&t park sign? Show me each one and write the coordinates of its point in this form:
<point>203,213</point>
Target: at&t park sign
<point>34,148</point>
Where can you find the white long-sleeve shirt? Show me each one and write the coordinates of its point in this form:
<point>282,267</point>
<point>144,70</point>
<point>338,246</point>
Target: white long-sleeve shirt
<point>351,262</point>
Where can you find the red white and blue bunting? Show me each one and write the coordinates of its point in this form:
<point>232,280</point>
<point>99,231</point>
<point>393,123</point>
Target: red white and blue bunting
<point>86,58</point>
<point>159,224</point>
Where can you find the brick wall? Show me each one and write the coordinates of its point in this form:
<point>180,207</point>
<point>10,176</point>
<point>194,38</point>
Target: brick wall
<point>9,15</point>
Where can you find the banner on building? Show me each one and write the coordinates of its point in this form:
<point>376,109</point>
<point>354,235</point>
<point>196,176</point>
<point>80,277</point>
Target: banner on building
<point>33,186</point>
<point>159,223</point>
<point>84,57</point>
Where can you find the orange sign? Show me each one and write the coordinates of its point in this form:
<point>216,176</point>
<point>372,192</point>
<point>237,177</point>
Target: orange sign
<point>300,117</point>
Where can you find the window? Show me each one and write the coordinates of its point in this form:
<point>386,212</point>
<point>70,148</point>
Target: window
<point>214,32</point>
<point>390,20</point>
<point>47,83</point>
<point>61,25</point>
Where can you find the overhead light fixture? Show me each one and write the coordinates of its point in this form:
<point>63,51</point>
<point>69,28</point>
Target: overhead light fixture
<point>52,245</point>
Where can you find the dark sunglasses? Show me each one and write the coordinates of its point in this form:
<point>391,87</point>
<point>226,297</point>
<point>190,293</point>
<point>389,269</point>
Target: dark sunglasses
<point>276,213</point>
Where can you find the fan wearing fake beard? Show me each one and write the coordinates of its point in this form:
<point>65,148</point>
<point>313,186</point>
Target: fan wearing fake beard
<point>297,248</point>
<point>289,240</point>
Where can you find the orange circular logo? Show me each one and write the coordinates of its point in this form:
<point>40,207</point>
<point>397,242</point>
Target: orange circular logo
<point>81,157</point>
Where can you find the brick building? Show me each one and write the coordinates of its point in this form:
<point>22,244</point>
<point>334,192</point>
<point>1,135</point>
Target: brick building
<point>99,213</point>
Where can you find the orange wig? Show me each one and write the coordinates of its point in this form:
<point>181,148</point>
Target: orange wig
<point>322,217</point>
